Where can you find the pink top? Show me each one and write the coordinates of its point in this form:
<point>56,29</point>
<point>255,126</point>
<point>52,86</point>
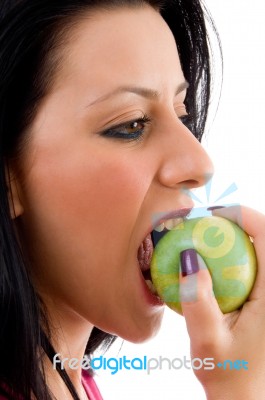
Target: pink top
<point>90,387</point>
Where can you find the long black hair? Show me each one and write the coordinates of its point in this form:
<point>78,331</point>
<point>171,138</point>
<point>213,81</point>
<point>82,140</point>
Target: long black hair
<point>31,35</point>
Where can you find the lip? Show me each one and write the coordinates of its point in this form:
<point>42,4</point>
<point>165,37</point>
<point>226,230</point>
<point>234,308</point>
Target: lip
<point>151,298</point>
<point>163,217</point>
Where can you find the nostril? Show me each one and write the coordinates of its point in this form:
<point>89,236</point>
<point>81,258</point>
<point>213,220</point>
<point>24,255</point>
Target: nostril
<point>202,180</point>
<point>191,184</point>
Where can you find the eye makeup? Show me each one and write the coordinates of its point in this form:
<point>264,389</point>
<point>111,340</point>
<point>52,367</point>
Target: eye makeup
<point>131,130</point>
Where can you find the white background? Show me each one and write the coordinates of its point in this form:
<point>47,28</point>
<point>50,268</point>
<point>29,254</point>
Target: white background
<point>236,144</point>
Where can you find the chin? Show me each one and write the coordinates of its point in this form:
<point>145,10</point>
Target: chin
<point>145,332</point>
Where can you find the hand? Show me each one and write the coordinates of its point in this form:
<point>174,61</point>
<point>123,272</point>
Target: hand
<point>239,335</point>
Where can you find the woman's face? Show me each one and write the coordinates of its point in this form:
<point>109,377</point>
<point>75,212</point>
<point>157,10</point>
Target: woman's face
<point>96,174</point>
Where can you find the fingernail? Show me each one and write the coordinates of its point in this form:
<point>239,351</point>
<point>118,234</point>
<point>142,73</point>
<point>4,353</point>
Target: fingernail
<point>215,208</point>
<point>189,262</point>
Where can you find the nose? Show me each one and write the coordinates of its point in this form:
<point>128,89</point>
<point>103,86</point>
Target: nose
<point>184,162</point>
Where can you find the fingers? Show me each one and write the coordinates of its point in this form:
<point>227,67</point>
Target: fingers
<point>253,223</point>
<point>204,319</point>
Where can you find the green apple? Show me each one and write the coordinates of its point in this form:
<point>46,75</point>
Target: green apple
<point>228,254</point>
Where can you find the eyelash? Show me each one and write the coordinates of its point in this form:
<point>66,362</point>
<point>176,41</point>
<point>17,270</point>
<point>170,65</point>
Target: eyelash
<point>116,131</point>
<point>186,120</point>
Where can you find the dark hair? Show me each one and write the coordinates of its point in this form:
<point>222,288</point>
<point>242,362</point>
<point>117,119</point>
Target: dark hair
<point>31,35</point>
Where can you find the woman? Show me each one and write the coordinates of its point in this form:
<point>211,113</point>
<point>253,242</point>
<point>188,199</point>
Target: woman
<point>97,99</point>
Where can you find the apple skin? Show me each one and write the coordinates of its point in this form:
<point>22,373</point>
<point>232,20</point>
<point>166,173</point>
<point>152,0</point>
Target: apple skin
<point>228,254</point>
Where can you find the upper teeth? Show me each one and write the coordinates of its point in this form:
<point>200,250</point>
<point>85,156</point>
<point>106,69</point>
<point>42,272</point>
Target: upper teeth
<point>170,224</point>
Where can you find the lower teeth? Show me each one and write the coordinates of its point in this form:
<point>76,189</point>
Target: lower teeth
<point>151,286</point>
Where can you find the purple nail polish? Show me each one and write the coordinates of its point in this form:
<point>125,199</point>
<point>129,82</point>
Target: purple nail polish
<point>189,262</point>
<point>215,208</point>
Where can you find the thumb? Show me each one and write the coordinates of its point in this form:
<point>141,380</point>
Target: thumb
<point>204,319</point>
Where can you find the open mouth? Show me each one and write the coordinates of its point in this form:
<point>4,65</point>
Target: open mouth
<point>144,256</point>
<point>146,249</point>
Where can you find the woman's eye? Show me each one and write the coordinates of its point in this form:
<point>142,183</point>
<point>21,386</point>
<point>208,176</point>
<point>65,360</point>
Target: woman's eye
<point>186,119</point>
<point>132,127</point>
<point>131,130</point>
<point>182,114</point>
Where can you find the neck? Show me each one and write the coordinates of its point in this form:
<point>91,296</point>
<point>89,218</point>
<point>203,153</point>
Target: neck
<point>69,336</point>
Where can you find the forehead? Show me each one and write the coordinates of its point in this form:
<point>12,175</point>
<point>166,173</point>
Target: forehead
<point>123,43</point>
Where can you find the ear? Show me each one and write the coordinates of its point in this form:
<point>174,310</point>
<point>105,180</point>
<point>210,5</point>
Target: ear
<point>14,198</point>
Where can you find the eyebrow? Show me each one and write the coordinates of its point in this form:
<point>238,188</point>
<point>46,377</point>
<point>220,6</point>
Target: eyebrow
<point>140,91</point>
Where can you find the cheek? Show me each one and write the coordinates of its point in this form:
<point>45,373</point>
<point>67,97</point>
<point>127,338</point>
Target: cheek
<point>75,205</point>
<point>97,190</point>
<point>82,208</point>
